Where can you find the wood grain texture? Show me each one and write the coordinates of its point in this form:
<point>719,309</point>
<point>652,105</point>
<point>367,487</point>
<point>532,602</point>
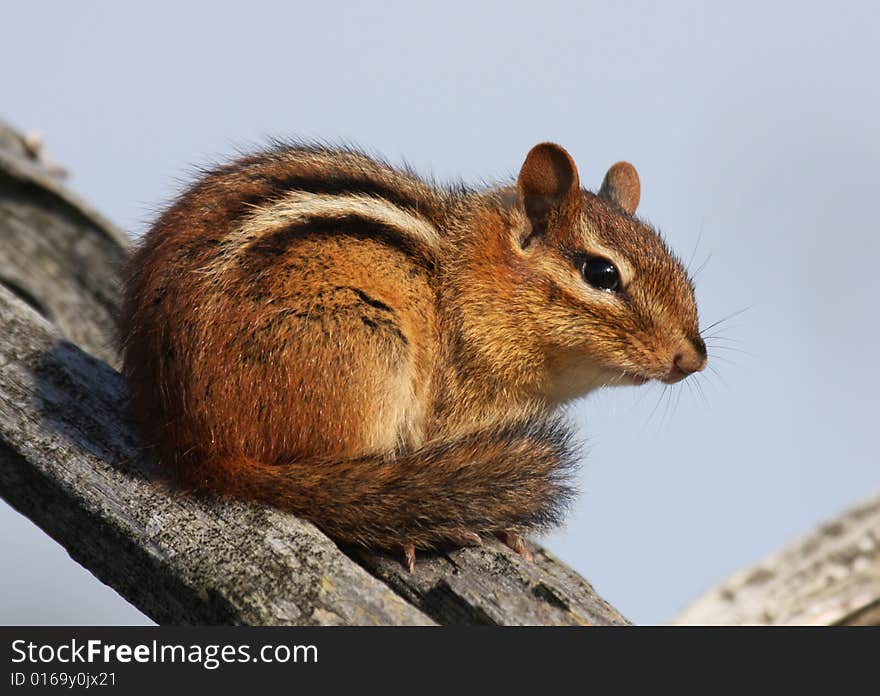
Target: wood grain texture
<point>71,461</point>
<point>490,584</point>
<point>57,253</point>
<point>829,577</point>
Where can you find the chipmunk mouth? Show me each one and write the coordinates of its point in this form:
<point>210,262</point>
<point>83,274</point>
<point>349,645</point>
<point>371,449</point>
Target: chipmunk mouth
<point>674,377</point>
<point>634,378</point>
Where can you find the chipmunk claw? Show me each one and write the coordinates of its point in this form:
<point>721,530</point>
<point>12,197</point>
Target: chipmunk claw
<point>409,556</point>
<point>515,541</point>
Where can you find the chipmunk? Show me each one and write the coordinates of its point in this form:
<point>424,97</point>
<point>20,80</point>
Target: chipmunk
<point>314,329</point>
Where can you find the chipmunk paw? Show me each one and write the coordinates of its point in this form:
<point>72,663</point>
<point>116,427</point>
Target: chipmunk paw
<point>409,556</point>
<point>515,541</point>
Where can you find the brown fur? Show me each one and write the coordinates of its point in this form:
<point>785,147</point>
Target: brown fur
<point>316,330</point>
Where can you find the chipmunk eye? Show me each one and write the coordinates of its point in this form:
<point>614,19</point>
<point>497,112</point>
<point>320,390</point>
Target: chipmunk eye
<point>601,274</point>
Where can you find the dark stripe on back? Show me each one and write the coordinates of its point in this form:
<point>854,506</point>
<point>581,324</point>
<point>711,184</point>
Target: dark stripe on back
<point>270,247</point>
<point>373,302</point>
<point>272,188</point>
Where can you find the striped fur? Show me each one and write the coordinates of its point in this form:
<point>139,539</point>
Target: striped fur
<point>314,329</point>
<point>299,207</point>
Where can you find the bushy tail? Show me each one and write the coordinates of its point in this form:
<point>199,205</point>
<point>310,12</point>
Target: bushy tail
<point>510,478</point>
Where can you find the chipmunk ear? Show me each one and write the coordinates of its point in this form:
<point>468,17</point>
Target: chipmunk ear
<point>621,187</point>
<point>549,188</point>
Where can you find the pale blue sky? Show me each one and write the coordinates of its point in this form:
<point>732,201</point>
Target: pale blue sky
<point>754,127</point>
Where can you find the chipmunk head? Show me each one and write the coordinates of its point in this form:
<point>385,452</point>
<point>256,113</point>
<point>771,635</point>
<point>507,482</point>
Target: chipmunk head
<point>607,301</point>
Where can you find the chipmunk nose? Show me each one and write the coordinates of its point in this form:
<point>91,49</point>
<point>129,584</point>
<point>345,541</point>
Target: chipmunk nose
<point>689,358</point>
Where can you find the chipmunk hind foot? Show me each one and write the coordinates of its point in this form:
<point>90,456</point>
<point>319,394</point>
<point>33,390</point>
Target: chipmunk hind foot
<point>458,540</point>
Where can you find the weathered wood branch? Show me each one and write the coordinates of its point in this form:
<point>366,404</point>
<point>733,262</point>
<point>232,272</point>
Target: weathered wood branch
<point>58,254</point>
<point>71,461</point>
<point>830,577</point>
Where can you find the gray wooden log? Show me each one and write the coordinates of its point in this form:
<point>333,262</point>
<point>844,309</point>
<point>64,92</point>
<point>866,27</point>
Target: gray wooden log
<point>71,461</point>
<point>490,584</point>
<point>830,577</point>
<point>58,254</point>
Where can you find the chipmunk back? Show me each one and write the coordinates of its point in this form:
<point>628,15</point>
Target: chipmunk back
<point>314,329</point>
